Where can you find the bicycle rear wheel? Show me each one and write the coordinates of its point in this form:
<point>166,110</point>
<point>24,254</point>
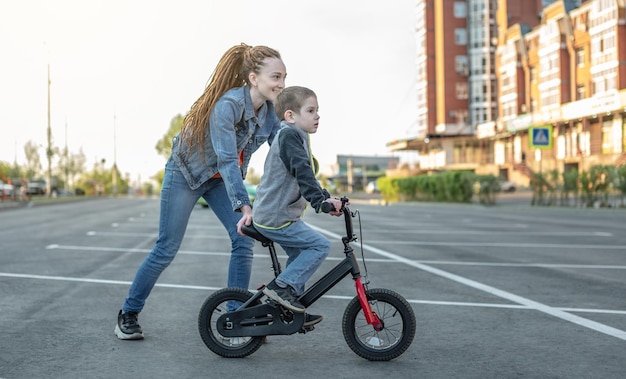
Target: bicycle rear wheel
<point>212,308</point>
<point>398,326</point>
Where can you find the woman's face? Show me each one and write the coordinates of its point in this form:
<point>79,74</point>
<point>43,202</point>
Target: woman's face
<point>269,82</point>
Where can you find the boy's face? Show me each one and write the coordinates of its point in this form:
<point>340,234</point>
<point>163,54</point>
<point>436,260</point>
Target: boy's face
<point>307,117</point>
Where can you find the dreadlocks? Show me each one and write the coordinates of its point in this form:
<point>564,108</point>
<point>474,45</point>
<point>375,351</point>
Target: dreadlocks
<point>232,71</point>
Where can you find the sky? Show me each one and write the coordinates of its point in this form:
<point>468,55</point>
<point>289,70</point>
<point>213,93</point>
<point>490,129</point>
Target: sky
<point>120,71</point>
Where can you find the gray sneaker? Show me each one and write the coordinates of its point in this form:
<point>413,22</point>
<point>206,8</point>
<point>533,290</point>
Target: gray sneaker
<point>127,327</point>
<point>284,297</point>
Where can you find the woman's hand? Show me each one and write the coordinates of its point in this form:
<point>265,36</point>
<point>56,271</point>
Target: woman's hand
<point>246,218</point>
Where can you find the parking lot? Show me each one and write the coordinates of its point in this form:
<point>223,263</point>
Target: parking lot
<point>498,292</point>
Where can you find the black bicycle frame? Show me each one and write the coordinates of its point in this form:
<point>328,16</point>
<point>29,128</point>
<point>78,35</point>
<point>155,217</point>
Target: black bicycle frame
<point>349,265</point>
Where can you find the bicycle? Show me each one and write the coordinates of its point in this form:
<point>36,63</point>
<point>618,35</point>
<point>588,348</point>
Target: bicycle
<point>378,324</point>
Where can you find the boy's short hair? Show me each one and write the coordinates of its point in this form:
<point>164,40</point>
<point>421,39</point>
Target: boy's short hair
<point>291,99</point>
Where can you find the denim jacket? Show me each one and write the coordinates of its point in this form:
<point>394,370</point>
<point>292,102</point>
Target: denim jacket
<point>233,128</point>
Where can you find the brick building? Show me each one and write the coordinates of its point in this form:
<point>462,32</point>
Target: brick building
<point>491,71</point>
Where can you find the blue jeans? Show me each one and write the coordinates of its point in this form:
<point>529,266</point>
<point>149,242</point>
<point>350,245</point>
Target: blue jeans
<point>177,202</point>
<point>306,249</point>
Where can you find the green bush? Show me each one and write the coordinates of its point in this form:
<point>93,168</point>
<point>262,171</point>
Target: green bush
<point>388,188</point>
<point>570,185</point>
<point>620,176</point>
<point>487,188</point>
<point>452,186</point>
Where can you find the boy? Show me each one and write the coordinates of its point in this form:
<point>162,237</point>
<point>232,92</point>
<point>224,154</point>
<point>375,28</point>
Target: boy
<point>288,183</point>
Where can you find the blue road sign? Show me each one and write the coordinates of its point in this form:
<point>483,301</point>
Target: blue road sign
<point>541,137</point>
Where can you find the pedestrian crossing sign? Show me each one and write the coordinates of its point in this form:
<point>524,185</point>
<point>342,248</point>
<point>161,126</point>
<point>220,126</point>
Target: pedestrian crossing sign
<point>540,137</point>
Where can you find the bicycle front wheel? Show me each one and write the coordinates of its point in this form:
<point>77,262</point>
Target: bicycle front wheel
<point>215,306</point>
<point>398,326</point>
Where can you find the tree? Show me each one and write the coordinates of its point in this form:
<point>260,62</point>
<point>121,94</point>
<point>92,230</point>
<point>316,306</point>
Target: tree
<point>252,177</point>
<point>33,160</point>
<point>99,181</point>
<point>5,170</point>
<point>164,145</point>
<point>71,165</point>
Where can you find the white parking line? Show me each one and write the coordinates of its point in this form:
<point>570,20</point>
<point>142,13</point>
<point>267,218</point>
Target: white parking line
<point>502,244</point>
<point>501,233</point>
<point>92,233</point>
<point>335,297</point>
<point>83,248</point>
<point>538,265</point>
<point>608,330</point>
<point>126,250</point>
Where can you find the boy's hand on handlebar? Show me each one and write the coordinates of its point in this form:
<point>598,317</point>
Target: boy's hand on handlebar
<point>336,203</point>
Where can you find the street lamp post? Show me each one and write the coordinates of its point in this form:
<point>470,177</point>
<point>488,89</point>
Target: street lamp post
<point>49,149</point>
<point>114,157</point>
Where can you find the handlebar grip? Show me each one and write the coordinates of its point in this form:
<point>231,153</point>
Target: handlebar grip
<point>327,207</point>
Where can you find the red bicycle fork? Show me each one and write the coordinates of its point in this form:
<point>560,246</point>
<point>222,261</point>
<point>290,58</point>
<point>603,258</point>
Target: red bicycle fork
<point>370,316</point>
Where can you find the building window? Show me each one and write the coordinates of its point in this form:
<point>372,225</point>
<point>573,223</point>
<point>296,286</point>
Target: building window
<point>581,24</point>
<point>461,64</point>
<point>580,57</point>
<point>460,36</point>
<point>477,95</point>
<point>462,116</point>
<point>460,10</point>
<point>580,92</point>
<point>478,66</point>
<point>598,85</point>
<point>607,137</point>
<point>611,79</point>
<point>624,136</point>
<point>461,90</point>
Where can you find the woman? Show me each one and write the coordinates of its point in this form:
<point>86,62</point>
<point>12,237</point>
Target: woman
<point>230,121</point>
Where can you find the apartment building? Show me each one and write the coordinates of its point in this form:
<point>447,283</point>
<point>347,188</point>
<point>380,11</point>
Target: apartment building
<point>567,74</point>
<point>457,81</point>
<point>443,68</point>
<point>558,67</point>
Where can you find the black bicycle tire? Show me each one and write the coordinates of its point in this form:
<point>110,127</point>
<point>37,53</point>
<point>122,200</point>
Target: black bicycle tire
<point>402,307</point>
<point>206,332</point>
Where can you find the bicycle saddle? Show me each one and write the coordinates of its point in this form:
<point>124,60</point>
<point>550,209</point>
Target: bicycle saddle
<point>251,231</point>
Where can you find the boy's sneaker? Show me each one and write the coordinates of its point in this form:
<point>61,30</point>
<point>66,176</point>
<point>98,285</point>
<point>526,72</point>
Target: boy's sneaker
<point>127,327</point>
<point>284,297</point>
<point>310,320</point>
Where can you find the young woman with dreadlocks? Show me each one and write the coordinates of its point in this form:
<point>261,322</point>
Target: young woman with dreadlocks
<point>230,121</point>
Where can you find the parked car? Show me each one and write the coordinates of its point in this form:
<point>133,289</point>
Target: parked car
<point>250,188</point>
<point>506,186</point>
<point>6,190</point>
<point>372,187</point>
<point>36,187</point>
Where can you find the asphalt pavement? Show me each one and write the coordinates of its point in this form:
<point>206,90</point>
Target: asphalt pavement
<point>498,292</point>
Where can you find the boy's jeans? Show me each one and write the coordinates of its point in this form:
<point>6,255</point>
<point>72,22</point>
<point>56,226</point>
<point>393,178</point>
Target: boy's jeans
<point>306,249</point>
<point>177,202</point>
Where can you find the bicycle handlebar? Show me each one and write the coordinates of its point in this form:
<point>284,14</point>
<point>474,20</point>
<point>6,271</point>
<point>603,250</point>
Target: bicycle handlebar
<point>348,218</point>
<point>328,207</point>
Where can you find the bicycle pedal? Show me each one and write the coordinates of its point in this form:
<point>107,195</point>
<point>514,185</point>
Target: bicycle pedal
<point>306,329</point>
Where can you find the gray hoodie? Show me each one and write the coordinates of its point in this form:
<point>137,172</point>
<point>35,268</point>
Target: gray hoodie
<point>288,181</point>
